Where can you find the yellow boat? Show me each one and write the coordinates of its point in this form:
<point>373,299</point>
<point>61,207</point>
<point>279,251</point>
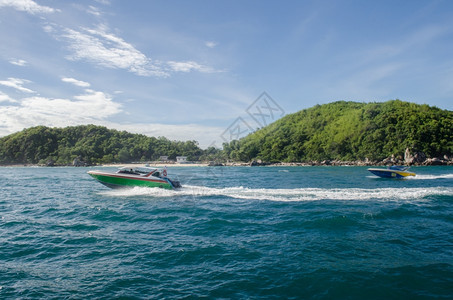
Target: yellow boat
<point>392,172</point>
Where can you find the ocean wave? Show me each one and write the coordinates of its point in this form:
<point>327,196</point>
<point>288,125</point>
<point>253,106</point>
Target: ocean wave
<point>299,194</point>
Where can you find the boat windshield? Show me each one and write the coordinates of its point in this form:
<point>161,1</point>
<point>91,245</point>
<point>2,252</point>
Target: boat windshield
<point>144,170</point>
<point>398,168</point>
<point>128,171</point>
<point>136,170</point>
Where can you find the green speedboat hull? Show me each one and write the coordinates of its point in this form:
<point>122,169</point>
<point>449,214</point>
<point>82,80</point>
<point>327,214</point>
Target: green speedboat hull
<point>115,180</point>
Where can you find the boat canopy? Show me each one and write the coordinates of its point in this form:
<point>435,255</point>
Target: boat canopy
<point>137,170</point>
<point>398,168</point>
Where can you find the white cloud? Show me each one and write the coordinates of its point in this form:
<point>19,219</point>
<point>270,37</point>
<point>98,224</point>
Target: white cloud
<point>18,62</point>
<point>105,49</point>
<point>28,6</point>
<point>105,2</point>
<point>204,135</point>
<point>16,83</point>
<point>75,82</point>
<point>210,44</point>
<point>91,107</point>
<point>188,66</point>
<point>6,98</point>
<point>93,10</point>
<point>48,28</point>
<point>110,51</point>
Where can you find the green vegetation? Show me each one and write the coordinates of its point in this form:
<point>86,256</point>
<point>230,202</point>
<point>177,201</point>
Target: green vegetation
<point>92,144</point>
<point>349,131</point>
<point>341,130</point>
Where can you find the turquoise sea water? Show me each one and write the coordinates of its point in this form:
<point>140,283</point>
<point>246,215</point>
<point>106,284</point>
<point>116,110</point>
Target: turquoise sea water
<point>232,232</point>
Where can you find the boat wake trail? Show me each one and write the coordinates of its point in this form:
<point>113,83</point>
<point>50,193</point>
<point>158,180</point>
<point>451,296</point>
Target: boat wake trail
<point>431,177</point>
<point>300,194</point>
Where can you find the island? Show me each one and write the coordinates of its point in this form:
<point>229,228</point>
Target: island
<point>338,133</point>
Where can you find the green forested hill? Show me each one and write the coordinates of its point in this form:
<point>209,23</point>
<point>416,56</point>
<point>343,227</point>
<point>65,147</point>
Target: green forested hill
<point>350,131</point>
<point>90,143</point>
<point>337,131</point>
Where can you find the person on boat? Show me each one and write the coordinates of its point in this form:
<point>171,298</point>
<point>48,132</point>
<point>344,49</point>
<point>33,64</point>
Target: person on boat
<point>130,171</point>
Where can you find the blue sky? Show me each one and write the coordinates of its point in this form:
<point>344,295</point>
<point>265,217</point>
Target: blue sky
<point>192,70</point>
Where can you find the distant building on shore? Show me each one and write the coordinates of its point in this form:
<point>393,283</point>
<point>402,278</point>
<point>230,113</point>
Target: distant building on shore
<point>163,158</point>
<point>181,159</point>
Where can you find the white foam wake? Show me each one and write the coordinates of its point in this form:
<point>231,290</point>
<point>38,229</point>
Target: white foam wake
<point>300,194</point>
<point>431,177</point>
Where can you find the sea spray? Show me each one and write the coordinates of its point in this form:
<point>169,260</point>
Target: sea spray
<point>306,194</point>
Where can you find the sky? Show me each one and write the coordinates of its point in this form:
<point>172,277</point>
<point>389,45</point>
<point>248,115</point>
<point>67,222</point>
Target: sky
<point>213,71</point>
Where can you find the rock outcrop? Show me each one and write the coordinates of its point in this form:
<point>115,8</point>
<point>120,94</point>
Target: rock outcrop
<point>416,158</point>
<point>77,162</point>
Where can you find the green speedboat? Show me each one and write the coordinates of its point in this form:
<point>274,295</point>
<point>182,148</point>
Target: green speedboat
<point>137,176</point>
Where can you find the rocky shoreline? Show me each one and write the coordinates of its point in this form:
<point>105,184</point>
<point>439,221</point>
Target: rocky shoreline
<point>427,162</point>
<point>409,159</point>
<point>387,162</point>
